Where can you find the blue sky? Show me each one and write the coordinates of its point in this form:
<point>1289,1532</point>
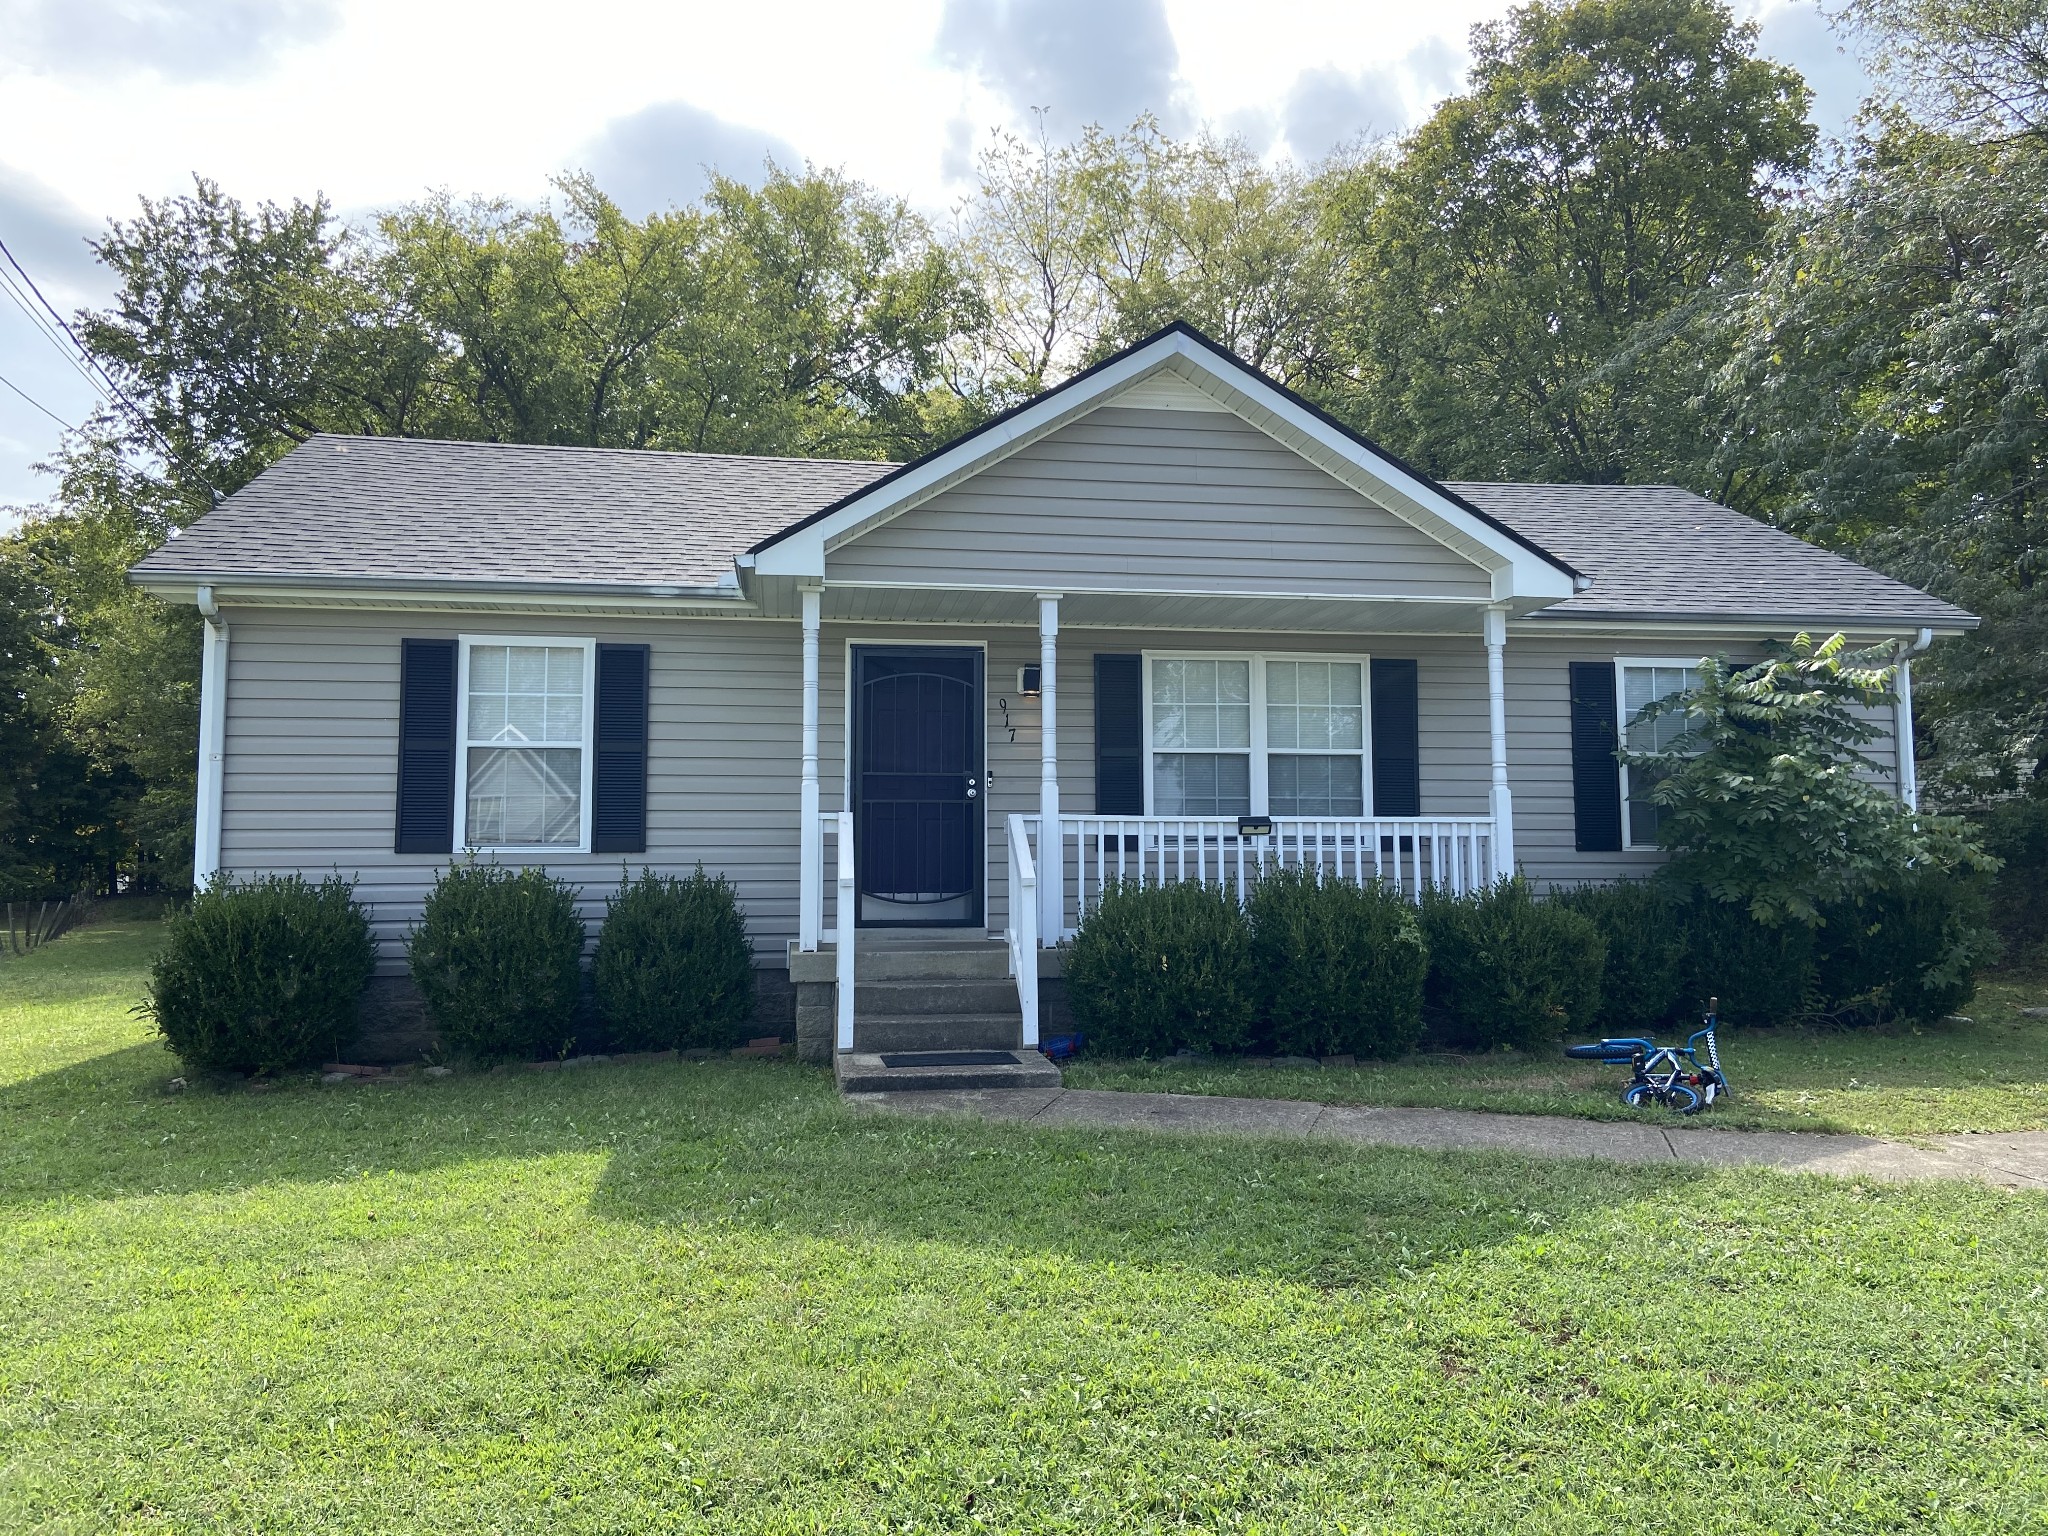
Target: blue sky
<point>375,102</point>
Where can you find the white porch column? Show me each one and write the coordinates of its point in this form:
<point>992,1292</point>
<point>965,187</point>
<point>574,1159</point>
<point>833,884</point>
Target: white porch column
<point>213,731</point>
<point>1902,707</point>
<point>810,835</point>
<point>1502,803</point>
<point>1051,878</point>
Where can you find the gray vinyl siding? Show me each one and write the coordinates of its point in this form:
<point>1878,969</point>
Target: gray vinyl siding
<point>1153,500</point>
<point>310,772</point>
<point>311,744</point>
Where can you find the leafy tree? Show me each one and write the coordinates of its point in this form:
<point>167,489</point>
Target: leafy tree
<point>1523,271</point>
<point>1977,67</point>
<point>1766,798</point>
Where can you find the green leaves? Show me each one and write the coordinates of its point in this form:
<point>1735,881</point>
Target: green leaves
<point>1767,799</point>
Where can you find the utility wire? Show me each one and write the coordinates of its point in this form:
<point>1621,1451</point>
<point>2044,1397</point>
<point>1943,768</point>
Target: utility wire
<point>32,400</point>
<point>45,330</point>
<point>115,389</point>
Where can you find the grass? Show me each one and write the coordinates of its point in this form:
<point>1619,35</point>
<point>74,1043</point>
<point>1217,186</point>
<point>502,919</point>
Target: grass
<point>1987,1074</point>
<point>710,1297</point>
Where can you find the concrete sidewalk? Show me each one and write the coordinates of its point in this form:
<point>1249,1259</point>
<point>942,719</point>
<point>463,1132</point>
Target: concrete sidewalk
<point>2014,1160</point>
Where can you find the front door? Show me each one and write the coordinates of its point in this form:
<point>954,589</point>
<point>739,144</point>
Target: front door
<point>918,785</point>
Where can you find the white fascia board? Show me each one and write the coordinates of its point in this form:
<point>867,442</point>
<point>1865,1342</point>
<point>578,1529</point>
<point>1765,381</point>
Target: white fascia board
<point>472,596</point>
<point>1518,572</point>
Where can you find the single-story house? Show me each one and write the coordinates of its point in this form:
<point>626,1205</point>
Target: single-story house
<point>1163,620</point>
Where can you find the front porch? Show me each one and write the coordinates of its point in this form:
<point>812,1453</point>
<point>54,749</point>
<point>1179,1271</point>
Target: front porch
<point>1034,890</point>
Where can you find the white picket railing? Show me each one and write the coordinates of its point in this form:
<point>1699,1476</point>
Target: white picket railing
<point>1408,853</point>
<point>1022,934</point>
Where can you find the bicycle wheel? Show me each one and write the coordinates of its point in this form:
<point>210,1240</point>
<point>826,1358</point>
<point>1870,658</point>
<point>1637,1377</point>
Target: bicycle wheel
<point>1636,1095</point>
<point>1683,1098</point>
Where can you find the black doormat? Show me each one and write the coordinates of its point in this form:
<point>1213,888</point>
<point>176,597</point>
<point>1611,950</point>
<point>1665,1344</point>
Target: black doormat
<point>949,1058</point>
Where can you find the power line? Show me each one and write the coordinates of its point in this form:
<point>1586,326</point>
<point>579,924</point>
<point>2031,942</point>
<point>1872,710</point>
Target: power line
<point>44,329</point>
<point>32,400</point>
<point>86,353</point>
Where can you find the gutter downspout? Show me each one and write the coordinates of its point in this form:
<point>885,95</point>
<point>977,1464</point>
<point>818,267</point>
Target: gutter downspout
<point>213,723</point>
<point>1902,710</point>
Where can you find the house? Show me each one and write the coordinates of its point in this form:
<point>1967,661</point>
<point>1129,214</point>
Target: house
<point>1165,620</point>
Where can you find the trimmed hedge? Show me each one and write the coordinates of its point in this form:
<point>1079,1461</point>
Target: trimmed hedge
<point>262,975</point>
<point>1507,969</point>
<point>1643,982</point>
<point>1910,951</point>
<point>673,968</point>
<point>1339,966</point>
<point>498,957</point>
<point>1160,968</point>
<point>1763,973</point>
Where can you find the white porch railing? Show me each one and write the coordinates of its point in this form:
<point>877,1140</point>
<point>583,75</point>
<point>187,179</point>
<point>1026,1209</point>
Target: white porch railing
<point>845,905</point>
<point>1023,930</point>
<point>1409,853</point>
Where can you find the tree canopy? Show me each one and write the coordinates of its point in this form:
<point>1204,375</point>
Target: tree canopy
<point>1613,255</point>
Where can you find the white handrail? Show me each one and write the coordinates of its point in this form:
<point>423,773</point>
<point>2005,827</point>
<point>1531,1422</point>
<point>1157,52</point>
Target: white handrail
<point>1023,930</point>
<point>845,917</point>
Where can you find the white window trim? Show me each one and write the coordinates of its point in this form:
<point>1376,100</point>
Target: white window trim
<point>463,743</point>
<point>1688,664</point>
<point>1260,753</point>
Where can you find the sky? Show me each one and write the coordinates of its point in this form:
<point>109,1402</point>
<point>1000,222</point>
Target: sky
<point>379,102</point>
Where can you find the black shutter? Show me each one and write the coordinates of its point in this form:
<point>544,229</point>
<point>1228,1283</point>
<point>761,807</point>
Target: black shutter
<point>426,747</point>
<point>618,778</point>
<point>1396,739</point>
<point>1596,777</point>
<point>1119,736</point>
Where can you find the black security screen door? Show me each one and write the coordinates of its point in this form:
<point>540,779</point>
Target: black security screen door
<point>918,785</point>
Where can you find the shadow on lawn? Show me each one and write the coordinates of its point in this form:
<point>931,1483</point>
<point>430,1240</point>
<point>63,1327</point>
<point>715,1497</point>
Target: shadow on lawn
<point>771,1148</point>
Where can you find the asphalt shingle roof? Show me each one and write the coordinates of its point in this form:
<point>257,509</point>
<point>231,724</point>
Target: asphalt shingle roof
<point>412,509</point>
<point>379,508</point>
<point>1656,551</point>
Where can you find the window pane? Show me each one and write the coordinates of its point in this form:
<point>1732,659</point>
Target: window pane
<point>523,797</point>
<point>1204,704</point>
<point>1317,705</point>
<point>1642,813</point>
<point>1201,784</point>
<point>1643,686</point>
<point>526,694</point>
<point>1315,786</point>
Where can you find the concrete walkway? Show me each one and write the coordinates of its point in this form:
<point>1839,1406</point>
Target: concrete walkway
<point>2014,1160</point>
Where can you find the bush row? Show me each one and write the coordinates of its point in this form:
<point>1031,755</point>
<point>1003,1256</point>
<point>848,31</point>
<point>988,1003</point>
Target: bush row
<point>265,974</point>
<point>1312,967</point>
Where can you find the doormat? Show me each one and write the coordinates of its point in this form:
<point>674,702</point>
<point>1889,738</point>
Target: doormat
<point>949,1058</point>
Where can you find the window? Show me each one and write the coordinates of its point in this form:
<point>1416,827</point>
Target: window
<point>526,720</point>
<point>1638,685</point>
<point>1230,735</point>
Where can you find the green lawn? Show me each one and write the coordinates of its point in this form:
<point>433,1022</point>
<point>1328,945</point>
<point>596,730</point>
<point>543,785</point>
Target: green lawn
<point>710,1297</point>
<point>1990,1074</point>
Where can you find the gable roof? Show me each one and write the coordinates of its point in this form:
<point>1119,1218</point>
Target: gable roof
<point>425,512</point>
<point>1661,552</point>
<point>433,515</point>
<point>1233,385</point>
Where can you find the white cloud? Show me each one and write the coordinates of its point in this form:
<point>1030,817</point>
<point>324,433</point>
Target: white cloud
<point>188,39</point>
<point>1082,61</point>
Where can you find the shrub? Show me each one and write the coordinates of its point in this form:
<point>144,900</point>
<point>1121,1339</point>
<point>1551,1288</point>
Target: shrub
<point>1909,951</point>
<point>1339,967</point>
<point>261,975</point>
<point>2016,832</point>
<point>1507,969</point>
<point>1161,967</point>
<point>1763,973</point>
<point>497,956</point>
<point>1643,982</point>
<point>673,967</point>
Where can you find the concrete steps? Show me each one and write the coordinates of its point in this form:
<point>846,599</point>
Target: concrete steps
<point>891,1072</point>
<point>937,1031</point>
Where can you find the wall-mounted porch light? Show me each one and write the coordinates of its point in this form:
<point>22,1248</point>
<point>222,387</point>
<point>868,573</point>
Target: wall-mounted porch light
<point>1254,826</point>
<point>1027,682</point>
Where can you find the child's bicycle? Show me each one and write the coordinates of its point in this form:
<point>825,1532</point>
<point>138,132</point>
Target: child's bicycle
<point>1670,1075</point>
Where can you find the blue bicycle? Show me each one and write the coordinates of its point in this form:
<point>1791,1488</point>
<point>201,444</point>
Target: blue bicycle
<point>1670,1075</point>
